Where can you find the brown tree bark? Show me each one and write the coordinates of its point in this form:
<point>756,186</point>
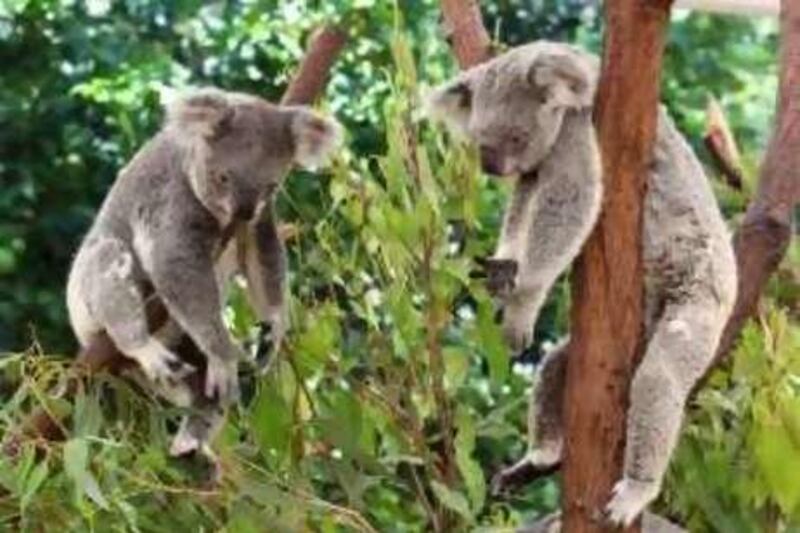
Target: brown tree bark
<point>766,230</point>
<point>607,280</point>
<point>721,145</point>
<point>101,355</point>
<point>465,32</point>
<point>310,79</point>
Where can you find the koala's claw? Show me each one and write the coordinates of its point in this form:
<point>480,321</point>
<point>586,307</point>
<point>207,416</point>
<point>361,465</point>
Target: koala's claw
<point>222,381</point>
<point>535,464</point>
<point>501,276</point>
<point>270,337</point>
<point>167,368</point>
<point>629,498</point>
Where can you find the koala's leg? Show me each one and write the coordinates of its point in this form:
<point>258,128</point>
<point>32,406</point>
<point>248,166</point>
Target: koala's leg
<point>84,325</point>
<point>683,344</point>
<point>265,270</point>
<point>199,427</point>
<point>545,424</point>
<point>116,303</point>
<point>182,270</point>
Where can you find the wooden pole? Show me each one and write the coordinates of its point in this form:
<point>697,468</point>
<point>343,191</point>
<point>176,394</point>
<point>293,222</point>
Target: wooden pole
<point>607,279</point>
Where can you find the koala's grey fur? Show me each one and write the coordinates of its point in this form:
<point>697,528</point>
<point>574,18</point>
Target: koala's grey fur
<point>529,110</point>
<point>193,206</point>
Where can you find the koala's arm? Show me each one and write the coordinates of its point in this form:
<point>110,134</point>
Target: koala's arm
<point>264,266</point>
<point>179,261</point>
<point>550,217</point>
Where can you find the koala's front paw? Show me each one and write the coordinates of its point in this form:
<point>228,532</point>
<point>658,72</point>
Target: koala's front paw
<point>535,464</point>
<point>501,276</point>
<point>629,499</point>
<point>222,380</point>
<point>164,367</point>
<point>270,338</point>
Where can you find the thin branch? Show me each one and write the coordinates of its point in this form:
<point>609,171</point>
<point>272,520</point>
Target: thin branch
<point>721,145</point>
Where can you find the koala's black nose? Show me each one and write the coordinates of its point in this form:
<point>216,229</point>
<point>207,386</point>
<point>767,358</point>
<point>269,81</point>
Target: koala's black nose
<point>491,160</point>
<point>245,211</point>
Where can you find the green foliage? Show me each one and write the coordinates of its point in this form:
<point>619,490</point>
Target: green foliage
<point>736,468</point>
<point>393,394</point>
<point>395,398</point>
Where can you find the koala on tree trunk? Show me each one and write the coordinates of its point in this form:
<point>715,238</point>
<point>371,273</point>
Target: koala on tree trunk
<point>194,206</point>
<point>529,111</point>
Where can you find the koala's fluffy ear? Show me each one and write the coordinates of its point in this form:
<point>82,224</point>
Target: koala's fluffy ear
<point>315,137</point>
<point>450,104</point>
<point>568,79</point>
<point>204,112</point>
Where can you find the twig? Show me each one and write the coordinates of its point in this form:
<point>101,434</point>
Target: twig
<point>721,145</point>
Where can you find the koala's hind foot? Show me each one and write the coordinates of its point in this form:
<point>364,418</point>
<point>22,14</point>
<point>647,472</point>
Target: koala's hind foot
<point>545,425</point>
<point>116,303</point>
<point>194,437</point>
<point>536,464</point>
<point>629,498</point>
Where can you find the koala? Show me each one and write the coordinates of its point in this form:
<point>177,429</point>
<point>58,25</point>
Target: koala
<point>529,111</point>
<point>193,207</point>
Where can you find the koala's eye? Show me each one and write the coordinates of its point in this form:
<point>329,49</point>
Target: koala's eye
<point>541,97</point>
<point>224,178</point>
<point>518,140</point>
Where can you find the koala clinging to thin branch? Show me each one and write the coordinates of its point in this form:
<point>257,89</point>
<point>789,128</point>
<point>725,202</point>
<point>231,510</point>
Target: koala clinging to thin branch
<point>529,111</point>
<point>194,206</point>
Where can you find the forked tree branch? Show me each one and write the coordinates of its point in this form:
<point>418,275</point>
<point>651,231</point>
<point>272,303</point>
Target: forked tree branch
<point>766,231</point>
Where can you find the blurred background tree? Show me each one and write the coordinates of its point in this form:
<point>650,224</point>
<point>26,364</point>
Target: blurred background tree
<point>350,428</point>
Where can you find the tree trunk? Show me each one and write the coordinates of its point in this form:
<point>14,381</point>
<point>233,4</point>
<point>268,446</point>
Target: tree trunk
<point>766,231</point>
<point>101,355</point>
<point>607,281</point>
<point>465,32</point>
